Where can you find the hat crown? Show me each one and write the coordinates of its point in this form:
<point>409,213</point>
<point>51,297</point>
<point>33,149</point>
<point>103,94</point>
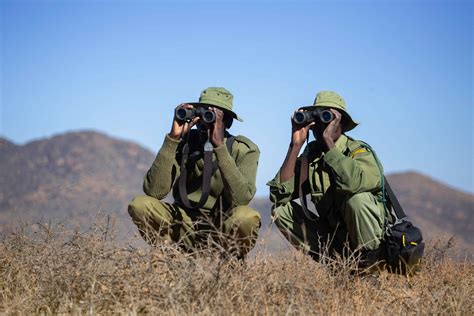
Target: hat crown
<point>330,99</point>
<point>217,96</point>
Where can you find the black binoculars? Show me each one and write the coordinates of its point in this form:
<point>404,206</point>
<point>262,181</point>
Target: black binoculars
<point>306,117</point>
<point>184,114</point>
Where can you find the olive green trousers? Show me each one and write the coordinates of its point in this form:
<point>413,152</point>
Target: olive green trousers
<point>235,231</point>
<point>360,226</point>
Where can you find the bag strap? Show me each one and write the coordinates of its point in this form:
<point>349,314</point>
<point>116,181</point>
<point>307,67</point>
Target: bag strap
<point>400,214</point>
<point>206,177</point>
<point>209,168</point>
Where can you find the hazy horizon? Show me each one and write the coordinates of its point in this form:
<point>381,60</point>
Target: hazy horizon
<point>259,194</point>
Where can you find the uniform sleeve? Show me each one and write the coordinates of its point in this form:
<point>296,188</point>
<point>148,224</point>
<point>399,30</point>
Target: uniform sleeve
<point>163,172</point>
<point>239,176</point>
<point>281,192</point>
<point>355,174</point>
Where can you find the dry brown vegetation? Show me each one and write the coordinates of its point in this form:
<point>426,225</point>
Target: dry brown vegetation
<point>47,269</point>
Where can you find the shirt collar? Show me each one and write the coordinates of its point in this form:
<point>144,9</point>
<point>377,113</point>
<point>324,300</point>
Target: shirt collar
<point>317,153</point>
<point>341,143</point>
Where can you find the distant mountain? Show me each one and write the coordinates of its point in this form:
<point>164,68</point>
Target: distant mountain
<point>5,144</point>
<point>436,207</point>
<point>74,175</point>
<point>69,175</point>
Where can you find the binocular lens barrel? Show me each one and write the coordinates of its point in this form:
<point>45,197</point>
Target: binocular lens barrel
<point>300,117</point>
<point>306,117</point>
<point>326,116</point>
<point>183,114</point>
<point>208,116</point>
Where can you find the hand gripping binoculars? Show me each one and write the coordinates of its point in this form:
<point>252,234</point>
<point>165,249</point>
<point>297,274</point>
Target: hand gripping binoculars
<point>186,115</point>
<point>306,117</point>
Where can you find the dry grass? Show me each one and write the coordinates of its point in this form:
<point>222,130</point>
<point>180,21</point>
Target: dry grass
<point>48,269</point>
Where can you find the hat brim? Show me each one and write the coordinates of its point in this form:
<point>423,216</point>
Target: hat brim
<point>232,113</point>
<point>350,124</point>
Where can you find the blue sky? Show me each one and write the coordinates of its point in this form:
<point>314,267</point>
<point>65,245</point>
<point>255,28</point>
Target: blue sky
<point>403,67</point>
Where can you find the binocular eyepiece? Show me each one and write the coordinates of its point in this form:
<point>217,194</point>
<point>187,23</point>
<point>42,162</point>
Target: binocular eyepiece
<point>184,114</point>
<point>306,117</point>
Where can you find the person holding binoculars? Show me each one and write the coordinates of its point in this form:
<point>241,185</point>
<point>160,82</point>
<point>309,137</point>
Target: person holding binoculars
<point>212,178</point>
<point>329,199</point>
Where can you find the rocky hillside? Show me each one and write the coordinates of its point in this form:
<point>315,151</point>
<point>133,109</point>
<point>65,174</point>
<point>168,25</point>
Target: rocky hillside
<point>69,175</point>
<point>74,175</point>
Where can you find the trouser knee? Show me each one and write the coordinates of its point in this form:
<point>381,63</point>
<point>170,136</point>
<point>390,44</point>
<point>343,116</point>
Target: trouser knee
<point>281,218</point>
<point>241,230</point>
<point>247,219</point>
<point>364,219</point>
<point>152,218</point>
<point>362,205</point>
<point>354,203</point>
<point>137,207</point>
<point>145,208</point>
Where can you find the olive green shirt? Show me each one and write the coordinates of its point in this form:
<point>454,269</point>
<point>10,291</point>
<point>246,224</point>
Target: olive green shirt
<point>235,176</point>
<point>341,172</point>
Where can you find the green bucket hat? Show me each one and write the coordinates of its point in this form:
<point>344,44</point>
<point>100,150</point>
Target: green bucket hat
<point>218,97</point>
<point>330,99</point>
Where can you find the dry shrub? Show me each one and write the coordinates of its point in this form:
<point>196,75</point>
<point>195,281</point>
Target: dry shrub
<point>47,268</point>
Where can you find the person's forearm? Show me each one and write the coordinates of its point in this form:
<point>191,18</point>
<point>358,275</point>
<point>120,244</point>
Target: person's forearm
<point>159,178</point>
<point>354,176</point>
<point>287,170</point>
<point>238,180</point>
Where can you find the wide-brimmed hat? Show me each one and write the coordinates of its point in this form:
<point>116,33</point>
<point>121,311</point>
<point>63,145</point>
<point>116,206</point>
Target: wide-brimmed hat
<point>330,99</point>
<point>218,97</point>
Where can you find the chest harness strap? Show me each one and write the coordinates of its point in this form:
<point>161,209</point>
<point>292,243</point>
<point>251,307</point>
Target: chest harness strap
<point>209,168</point>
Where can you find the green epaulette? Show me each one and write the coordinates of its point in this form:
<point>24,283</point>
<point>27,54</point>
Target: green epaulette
<point>354,147</point>
<point>251,145</point>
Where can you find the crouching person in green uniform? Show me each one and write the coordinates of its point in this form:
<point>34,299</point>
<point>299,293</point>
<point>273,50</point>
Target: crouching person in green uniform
<point>216,213</point>
<point>328,200</point>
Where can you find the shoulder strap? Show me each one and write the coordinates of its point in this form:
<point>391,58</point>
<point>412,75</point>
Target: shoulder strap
<point>229,143</point>
<point>206,177</point>
<point>400,214</point>
<point>209,168</point>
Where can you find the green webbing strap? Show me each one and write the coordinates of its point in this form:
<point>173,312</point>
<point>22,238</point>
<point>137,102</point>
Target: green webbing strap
<point>209,168</point>
<point>386,189</point>
<point>379,165</point>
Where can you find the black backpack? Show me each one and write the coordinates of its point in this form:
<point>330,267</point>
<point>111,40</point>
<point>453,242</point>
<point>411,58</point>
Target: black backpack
<point>403,241</point>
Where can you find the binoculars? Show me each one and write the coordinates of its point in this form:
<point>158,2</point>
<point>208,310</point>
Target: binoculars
<point>206,115</point>
<point>306,117</point>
